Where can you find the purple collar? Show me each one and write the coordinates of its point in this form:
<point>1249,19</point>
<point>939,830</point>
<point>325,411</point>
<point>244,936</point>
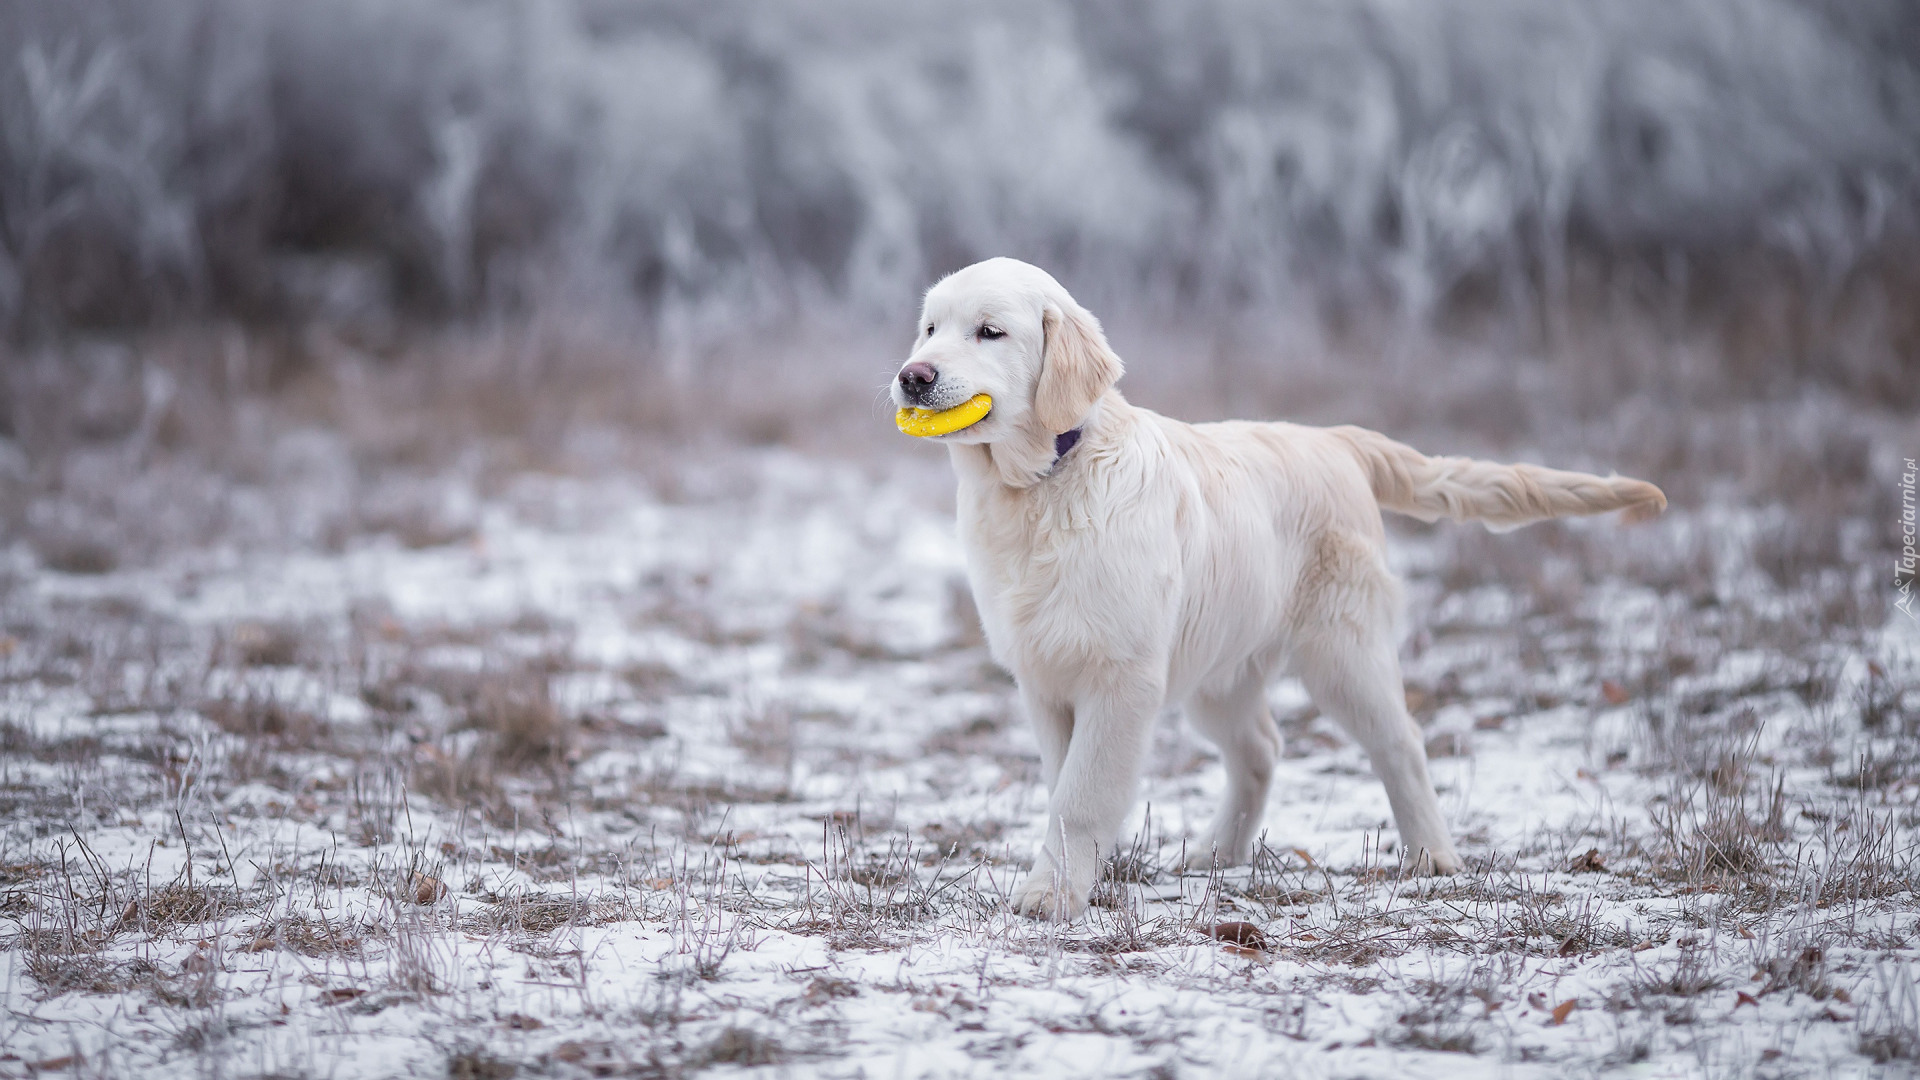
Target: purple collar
<point>1064,442</point>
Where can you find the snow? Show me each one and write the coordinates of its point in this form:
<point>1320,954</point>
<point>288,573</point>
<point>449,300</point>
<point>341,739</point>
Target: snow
<point>801,869</point>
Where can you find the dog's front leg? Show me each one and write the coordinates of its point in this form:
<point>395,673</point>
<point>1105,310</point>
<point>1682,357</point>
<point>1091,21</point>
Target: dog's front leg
<point>1105,735</point>
<point>1052,721</point>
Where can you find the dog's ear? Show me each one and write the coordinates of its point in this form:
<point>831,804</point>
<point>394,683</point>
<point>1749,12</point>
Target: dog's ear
<point>1076,369</point>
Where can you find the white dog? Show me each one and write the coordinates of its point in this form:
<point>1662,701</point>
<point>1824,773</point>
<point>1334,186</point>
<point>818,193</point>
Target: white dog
<point>1121,560</point>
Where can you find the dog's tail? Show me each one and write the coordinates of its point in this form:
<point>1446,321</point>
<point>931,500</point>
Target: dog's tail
<point>1503,496</point>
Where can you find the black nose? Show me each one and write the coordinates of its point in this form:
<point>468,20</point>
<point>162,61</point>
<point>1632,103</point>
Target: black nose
<point>917,378</point>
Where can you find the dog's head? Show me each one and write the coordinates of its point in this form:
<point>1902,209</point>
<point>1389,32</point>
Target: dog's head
<point>1008,330</point>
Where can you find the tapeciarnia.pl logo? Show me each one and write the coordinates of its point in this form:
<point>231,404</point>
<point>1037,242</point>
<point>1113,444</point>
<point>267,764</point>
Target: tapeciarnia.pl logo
<point>1903,567</point>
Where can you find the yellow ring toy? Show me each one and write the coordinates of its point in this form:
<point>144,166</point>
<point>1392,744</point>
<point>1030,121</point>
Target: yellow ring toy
<point>923,424</point>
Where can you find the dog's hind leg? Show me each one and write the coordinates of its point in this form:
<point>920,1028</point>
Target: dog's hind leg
<point>1237,721</point>
<point>1357,682</point>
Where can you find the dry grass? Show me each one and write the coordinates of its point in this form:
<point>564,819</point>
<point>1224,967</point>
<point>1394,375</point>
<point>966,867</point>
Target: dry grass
<point>311,936</point>
<point>806,814</point>
<point>1890,1023</point>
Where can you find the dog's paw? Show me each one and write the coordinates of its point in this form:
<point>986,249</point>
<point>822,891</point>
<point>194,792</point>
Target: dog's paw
<point>1206,860</point>
<point>1045,895</point>
<point>1442,864</point>
<point>1215,853</point>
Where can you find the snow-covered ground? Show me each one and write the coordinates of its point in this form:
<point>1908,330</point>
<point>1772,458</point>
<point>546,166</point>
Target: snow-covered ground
<point>622,776</point>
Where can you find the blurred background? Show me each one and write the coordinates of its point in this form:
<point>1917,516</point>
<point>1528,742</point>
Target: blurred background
<point>1665,236</point>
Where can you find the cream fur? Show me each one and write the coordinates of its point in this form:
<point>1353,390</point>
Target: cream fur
<point>1161,562</point>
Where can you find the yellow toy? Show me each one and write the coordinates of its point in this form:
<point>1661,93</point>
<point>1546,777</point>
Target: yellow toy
<point>924,424</point>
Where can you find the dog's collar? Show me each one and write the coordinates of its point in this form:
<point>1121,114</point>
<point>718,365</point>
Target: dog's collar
<point>1064,442</point>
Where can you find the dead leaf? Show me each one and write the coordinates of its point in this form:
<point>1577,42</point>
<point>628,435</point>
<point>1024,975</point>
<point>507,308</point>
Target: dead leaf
<point>426,888</point>
<point>1240,933</point>
<point>1614,692</point>
<point>340,994</point>
<point>1588,862</point>
<point>1564,1010</point>
<point>1745,998</point>
<point>523,1022</point>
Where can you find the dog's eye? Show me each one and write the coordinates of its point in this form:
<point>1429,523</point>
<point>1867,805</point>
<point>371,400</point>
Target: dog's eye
<point>990,332</point>
<point>929,329</point>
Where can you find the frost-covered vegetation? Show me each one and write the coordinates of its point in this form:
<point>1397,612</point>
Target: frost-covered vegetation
<point>463,608</point>
<point>668,758</point>
<point>699,163</point>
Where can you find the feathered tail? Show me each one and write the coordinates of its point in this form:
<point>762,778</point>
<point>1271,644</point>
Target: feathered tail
<point>1503,496</point>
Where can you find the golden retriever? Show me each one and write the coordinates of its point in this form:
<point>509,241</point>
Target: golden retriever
<point>1122,561</point>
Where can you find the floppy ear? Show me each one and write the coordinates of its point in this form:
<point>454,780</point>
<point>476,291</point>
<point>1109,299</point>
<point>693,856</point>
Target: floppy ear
<point>1075,370</point>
